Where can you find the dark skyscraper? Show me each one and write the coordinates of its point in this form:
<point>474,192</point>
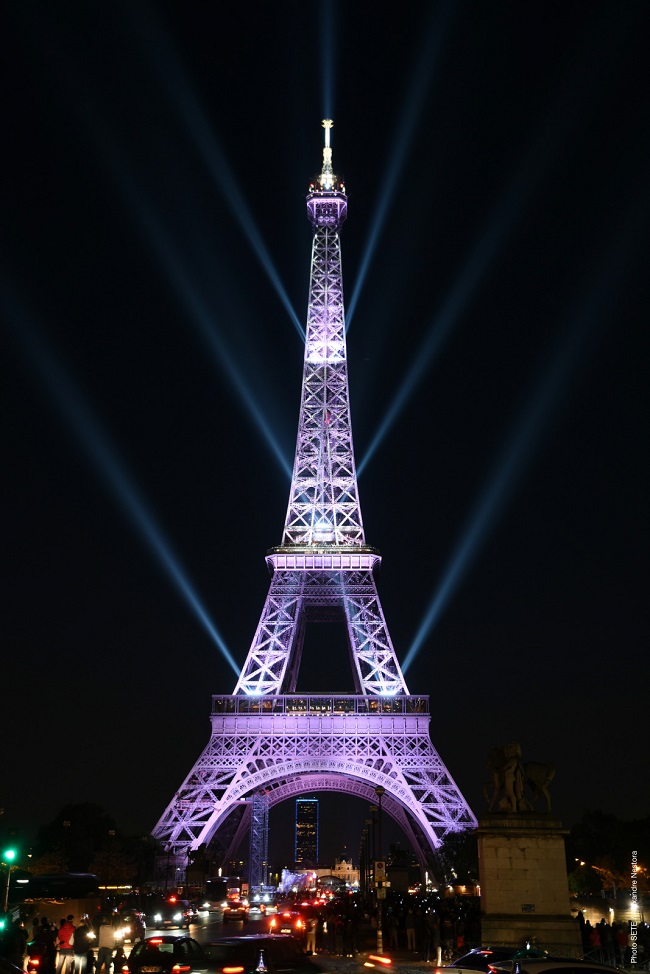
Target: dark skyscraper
<point>307,833</point>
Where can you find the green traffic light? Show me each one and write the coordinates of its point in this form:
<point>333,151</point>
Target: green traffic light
<point>9,855</point>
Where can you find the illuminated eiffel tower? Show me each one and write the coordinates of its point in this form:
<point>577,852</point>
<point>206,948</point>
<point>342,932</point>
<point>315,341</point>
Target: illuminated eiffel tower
<point>265,736</point>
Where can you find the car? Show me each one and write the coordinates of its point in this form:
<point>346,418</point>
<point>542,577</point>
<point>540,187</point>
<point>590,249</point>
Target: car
<point>173,912</point>
<point>257,952</point>
<point>132,926</point>
<point>236,908</point>
<point>484,958</point>
<point>552,965</point>
<point>167,955</point>
<point>289,922</point>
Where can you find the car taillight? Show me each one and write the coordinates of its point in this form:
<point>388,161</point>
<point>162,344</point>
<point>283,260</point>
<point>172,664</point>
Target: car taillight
<point>273,923</point>
<point>181,968</point>
<point>125,969</point>
<point>232,970</point>
<point>299,924</point>
<point>34,961</point>
<point>155,940</point>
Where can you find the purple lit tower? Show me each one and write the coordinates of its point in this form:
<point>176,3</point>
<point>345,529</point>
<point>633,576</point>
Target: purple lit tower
<point>265,736</point>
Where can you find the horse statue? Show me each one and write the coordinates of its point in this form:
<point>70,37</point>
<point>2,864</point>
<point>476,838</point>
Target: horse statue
<point>510,777</point>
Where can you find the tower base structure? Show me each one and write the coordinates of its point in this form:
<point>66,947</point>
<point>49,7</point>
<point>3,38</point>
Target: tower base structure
<point>524,885</point>
<point>292,744</point>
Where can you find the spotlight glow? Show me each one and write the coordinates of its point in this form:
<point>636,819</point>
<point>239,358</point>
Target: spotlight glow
<point>193,117</point>
<point>520,447</point>
<point>328,15</point>
<point>418,91</point>
<point>111,156</point>
<point>77,413</point>
<point>202,319</point>
<point>545,147</point>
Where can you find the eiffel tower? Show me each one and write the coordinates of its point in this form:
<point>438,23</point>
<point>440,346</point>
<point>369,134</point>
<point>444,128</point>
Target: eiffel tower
<point>265,736</point>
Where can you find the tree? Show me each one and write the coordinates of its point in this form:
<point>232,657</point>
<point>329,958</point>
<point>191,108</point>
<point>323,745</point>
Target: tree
<point>50,862</point>
<point>78,832</point>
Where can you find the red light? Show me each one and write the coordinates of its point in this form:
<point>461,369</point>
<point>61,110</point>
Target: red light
<point>181,968</point>
<point>379,959</point>
<point>232,970</point>
<point>155,940</point>
<point>34,961</point>
<point>172,899</point>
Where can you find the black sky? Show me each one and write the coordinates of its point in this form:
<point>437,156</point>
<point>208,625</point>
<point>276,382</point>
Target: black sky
<point>520,210</point>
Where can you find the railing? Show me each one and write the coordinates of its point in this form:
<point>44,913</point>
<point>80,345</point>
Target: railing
<point>320,704</point>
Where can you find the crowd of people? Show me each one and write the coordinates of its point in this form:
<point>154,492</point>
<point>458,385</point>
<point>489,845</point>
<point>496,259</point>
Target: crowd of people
<point>434,931</point>
<point>63,948</point>
<point>612,943</point>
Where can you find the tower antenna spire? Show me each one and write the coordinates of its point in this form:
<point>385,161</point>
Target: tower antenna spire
<point>327,177</point>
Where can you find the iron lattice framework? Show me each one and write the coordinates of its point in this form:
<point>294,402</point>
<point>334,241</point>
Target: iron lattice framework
<point>259,845</point>
<point>265,736</point>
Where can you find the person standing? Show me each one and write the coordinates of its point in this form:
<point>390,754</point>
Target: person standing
<point>47,938</point>
<point>312,926</point>
<point>433,928</point>
<point>105,945</point>
<point>65,959</point>
<point>81,945</point>
<point>409,924</point>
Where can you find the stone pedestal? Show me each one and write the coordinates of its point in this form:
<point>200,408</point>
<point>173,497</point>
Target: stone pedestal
<point>524,886</point>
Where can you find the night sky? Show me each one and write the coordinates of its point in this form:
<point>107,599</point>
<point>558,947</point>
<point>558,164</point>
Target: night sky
<point>155,160</point>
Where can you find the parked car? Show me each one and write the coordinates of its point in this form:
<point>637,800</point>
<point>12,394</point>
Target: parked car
<point>167,954</point>
<point>257,952</point>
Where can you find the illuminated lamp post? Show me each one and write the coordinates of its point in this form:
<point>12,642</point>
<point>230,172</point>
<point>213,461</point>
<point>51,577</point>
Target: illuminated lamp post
<point>8,855</point>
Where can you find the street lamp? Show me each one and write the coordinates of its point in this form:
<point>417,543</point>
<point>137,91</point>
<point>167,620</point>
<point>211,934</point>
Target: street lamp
<point>8,855</point>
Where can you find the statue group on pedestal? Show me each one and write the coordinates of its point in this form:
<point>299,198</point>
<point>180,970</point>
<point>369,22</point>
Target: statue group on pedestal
<point>515,786</point>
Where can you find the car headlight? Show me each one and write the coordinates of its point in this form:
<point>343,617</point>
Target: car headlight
<point>178,916</point>
<point>157,918</point>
